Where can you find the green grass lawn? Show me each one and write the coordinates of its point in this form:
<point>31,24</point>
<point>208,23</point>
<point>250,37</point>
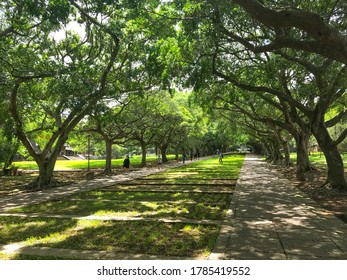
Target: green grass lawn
<point>178,239</point>
<point>154,237</point>
<point>206,169</point>
<point>318,158</point>
<point>83,164</point>
<point>150,209</point>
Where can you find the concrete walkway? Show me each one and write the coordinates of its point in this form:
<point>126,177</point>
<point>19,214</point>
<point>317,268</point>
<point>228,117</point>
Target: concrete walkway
<point>269,218</point>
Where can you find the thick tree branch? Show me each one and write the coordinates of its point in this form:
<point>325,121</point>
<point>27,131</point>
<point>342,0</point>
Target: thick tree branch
<point>328,41</point>
<point>336,119</point>
<point>258,89</point>
<point>342,137</point>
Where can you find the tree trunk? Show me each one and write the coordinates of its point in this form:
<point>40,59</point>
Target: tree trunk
<point>108,168</point>
<point>336,173</point>
<point>176,154</point>
<point>144,154</point>
<point>46,176</point>
<point>303,163</point>
<point>268,152</point>
<point>287,160</point>
<point>276,155</point>
<point>163,154</point>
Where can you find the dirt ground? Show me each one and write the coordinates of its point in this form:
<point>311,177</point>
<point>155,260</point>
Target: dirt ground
<point>330,199</point>
<point>12,185</point>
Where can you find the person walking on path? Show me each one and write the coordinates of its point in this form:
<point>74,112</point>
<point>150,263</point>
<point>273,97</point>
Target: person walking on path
<point>184,158</point>
<point>126,163</point>
<point>221,158</point>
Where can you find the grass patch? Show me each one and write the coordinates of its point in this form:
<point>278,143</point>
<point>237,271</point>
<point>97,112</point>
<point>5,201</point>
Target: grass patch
<point>136,237</point>
<point>144,209</point>
<point>17,229</point>
<point>204,170</point>
<point>155,196</point>
<point>15,256</point>
<point>318,158</point>
<point>171,239</point>
<point>83,164</point>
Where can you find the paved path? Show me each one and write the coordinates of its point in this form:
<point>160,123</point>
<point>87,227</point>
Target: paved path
<point>269,218</point>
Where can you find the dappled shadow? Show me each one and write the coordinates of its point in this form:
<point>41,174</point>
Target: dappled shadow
<point>171,188</point>
<point>274,219</point>
<point>187,230</point>
<point>141,237</point>
<point>19,229</point>
<point>140,209</point>
<point>154,196</point>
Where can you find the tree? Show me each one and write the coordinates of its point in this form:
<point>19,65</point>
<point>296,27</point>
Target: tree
<point>104,121</point>
<point>62,81</point>
<point>241,53</point>
<point>172,128</point>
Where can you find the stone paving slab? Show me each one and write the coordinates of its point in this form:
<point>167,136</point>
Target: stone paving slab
<point>269,218</point>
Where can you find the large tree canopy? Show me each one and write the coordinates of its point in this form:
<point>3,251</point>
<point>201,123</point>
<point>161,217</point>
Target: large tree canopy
<point>279,59</point>
<point>282,64</point>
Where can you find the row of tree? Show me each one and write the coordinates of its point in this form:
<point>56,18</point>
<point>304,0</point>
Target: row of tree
<point>277,68</point>
<point>155,119</point>
<point>110,75</point>
<point>281,64</point>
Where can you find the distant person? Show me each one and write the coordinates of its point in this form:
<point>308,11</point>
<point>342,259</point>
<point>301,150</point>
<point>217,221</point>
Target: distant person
<point>221,158</point>
<point>184,158</point>
<point>126,163</point>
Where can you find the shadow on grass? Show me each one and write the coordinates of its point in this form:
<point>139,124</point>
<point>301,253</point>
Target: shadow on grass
<point>143,238</point>
<point>18,229</point>
<point>198,211</point>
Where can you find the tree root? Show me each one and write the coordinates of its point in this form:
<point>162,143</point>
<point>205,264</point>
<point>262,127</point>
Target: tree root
<point>337,189</point>
<point>38,185</point>
<point>287,164</point>
<point>300,176</point>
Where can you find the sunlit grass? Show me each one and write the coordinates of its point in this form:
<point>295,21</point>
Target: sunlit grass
<point>17,229</point>
<point>83,164</point>
<point>206,169</point>
<point>15,256</point>
<point>128,209</point>
<point>136,236</point>
<point>171,239</point>
<point>155,196</point>
<point>318,158</point>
